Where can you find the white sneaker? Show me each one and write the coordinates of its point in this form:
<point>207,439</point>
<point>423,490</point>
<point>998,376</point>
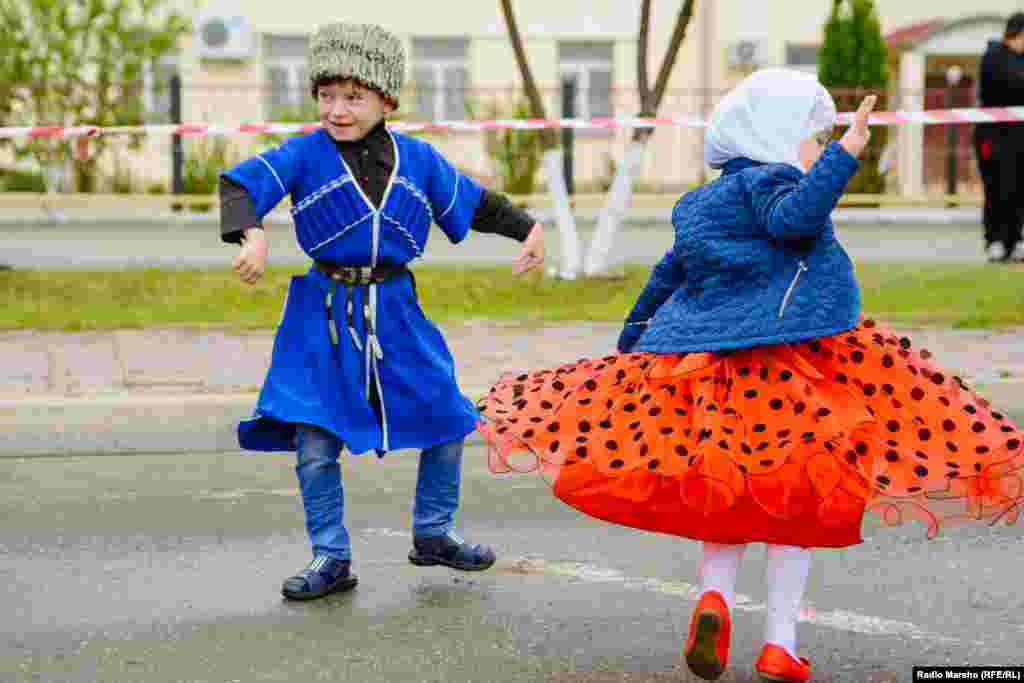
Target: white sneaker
<point>995,252</point>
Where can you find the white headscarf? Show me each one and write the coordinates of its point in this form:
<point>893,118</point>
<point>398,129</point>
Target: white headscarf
<point>766,118</point>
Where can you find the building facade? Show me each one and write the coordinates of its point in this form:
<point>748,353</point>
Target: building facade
<point>461,66</point>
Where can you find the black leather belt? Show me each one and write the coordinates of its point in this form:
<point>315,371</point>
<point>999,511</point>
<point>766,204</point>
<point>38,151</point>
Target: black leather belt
<point>358,275</point>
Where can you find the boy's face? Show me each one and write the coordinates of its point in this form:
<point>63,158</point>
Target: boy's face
<point>349,110</point>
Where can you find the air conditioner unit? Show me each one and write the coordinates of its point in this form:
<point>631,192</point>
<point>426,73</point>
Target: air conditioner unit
<point>223,34</point>
<point>747,53</point>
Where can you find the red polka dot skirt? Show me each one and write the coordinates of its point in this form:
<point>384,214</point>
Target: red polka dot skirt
<point>786,444</point>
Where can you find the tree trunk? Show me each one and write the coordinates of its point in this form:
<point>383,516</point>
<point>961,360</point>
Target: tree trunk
<point>54,175</point>
<point>619,196</point>
<point>554,172</point>
<point>548,137</point>
<point>569,259</point>
<point>621,191</point>
<point>643,41</point>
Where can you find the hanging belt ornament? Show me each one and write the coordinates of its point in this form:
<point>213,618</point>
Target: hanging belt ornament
<point>332,322</point>
<point>348,317</point>
<point>371,332</point>
<point>331,326</point>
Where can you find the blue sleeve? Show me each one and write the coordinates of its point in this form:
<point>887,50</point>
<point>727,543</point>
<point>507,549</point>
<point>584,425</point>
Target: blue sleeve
<point>268,176</point>
<point>791,209</point>
<point>665,279</point>
<point>454,197</point>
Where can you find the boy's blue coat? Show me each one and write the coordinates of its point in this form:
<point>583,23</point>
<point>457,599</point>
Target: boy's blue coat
<point>313,381</point>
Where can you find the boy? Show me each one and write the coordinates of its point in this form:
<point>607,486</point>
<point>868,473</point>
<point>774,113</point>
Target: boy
<point>356,363</point>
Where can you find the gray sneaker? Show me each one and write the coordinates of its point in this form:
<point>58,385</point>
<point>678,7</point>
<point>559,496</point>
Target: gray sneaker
<point>995,252</point>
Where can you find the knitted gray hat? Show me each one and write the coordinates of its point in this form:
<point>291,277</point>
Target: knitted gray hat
<point>365,52</point>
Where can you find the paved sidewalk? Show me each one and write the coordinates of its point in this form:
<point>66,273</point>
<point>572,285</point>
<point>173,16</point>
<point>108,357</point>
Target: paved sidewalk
<point>48,366</point>
<point>185,389</point>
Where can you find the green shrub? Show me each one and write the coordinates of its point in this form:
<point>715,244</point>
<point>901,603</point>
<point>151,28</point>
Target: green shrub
<point>853,62</point>
<point>205,159</point>
<point>518,153</point>
<point>22,181</point>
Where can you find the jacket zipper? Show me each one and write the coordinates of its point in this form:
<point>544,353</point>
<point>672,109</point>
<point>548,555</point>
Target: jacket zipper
<point>800,269</point>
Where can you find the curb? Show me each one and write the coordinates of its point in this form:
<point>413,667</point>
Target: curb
<point>638,216</point>
<point>908,216</point>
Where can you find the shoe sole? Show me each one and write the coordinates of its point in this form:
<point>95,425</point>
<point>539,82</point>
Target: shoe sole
<point>337,587</point>
<point>772,678</point>
<point>422,561</point>
<point>702,658</point>
<point>777,678</point>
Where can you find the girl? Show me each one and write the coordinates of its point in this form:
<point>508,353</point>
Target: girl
<point>750,401</point>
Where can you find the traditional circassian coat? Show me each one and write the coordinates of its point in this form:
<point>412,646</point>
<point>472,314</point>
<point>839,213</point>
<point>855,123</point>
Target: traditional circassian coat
<point>362,362</point>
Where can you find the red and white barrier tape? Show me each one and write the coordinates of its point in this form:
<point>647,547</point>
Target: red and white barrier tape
<point>893,118</point>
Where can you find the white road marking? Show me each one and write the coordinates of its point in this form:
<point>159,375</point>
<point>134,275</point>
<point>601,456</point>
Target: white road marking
<point>842,620</point>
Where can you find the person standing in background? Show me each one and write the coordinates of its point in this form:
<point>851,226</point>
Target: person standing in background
<point>1001,84</point>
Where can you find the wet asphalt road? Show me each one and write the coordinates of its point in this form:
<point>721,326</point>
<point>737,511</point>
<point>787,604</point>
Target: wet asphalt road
<point>168,567</point>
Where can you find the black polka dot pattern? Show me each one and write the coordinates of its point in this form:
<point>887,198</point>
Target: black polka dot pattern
<point>862,414</point>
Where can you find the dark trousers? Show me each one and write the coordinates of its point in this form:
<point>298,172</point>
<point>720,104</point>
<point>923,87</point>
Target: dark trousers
<point>1003,215</point>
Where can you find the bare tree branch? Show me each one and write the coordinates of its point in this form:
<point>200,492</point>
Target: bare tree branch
<point>547,136</point>
<point>641,61</point>
<point>678,34</point>
<point>650,101</point>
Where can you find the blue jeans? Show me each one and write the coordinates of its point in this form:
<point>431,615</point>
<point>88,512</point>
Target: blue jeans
<point>323,496</point>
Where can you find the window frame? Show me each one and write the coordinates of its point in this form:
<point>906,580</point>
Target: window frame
<point>156,93</point>
<point>295,64</point>
<point>439,67</point>
<point>582,68</point>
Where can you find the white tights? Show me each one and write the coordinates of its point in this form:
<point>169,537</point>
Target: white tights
<point>785,573</point>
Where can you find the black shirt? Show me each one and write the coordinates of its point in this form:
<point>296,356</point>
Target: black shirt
<point>371,160</point>
<point>1001,82</point>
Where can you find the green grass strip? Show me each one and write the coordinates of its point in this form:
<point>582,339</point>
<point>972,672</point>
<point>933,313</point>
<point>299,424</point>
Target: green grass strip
<point>952,295</point>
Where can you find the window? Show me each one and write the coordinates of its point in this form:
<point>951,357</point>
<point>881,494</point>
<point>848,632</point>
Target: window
<point>156,89</point>
<point>589,64</point>
<point>802,57</point>
<point>287,89</point>
<point>440,77</point>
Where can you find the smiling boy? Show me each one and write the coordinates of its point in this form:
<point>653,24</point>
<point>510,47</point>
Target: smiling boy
<point>356,364</point>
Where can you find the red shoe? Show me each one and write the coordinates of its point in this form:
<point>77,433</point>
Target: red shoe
<point>778,666</point>
<point>707,646</point>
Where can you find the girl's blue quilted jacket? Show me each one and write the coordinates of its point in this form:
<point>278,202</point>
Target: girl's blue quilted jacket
<point>755,261</point>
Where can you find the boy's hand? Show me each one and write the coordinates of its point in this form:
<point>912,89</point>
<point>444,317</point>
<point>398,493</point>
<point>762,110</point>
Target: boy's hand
<point>856,138</point>
<point>532,254</point>
<point>252,259</point>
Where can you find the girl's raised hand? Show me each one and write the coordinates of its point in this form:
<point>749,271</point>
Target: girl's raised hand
<point>856,138</point>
